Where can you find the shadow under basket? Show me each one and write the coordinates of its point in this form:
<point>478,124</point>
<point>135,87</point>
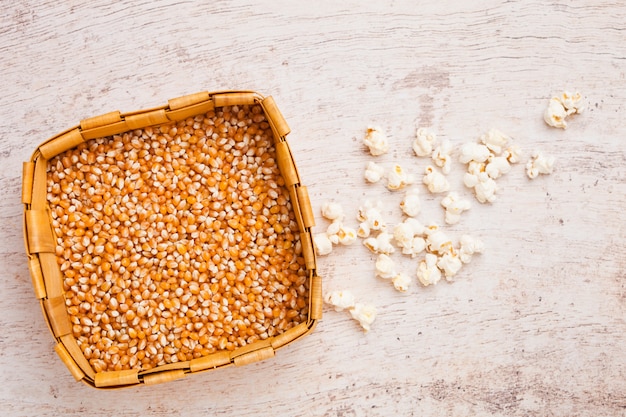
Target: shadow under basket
<point>235,281</point>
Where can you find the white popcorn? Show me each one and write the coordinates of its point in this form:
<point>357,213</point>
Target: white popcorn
<point>401,282</point>
<point>365,314</point>
<point>340,300</point>
<point>560,107</point>
<point>371,219</point>
<point>407,235</point>
<point>364,230</point>
<point>385,267</point>
<point>497,166</point>
<point>424,142</point>
<point>450,264</point>
<point>454,206</point>
<point>427,271</point>
<point>484,186</point>
<point>346,235</point>
<point>332,211</point>
<point>474,152</point>
<point>494,140</point>
<point>468,247</point>
<point>513,154</point>
<point>410,204</point>
<point>435,180</point>
<point>572,102</point>
<point>374,172</point>
<point>323,245</point>
<point>438,242</point>
<point>555,114</point>
<point>398,178</point>
<point>418,245</point>
<point>376,140</point>
<point>380,243</point>
<point>539,164</point>
<point>441,156</point>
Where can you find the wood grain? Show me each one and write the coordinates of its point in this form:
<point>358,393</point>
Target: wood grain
<point>534,326</point>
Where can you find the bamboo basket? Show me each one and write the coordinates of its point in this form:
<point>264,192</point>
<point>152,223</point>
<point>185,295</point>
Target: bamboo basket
<point>46,274</point>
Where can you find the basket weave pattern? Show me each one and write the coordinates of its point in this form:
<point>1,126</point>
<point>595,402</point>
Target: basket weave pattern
<point>43,259</point>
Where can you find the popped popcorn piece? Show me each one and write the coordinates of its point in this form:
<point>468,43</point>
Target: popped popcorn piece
<point>380,243</point>
<point>376,140</point>
<point>332,211</point>
<point>454,206</point>
<point>371,219</point>
<point>562,106</point>
<point>424,142</point>
<point>441,156</point>
<point>494,140</point>
<point>323,245</point>
<point>439,242</point>
<point>385,267</point>
<point>418,245</point>
<point>572,102</point>
<point>555,114</point>
<point>484,186</point>
<point>346,235</point>
<point>474,152</point>
<point>497,166</point>
<point>408,236</point>
<point>450,264</point>
<point>410,204</point>
<point>365,314</point>
<point>513,154</point>
<point>398,178</point>
<point>401,282</point>
<point>340,300</point>
<point>374,172</point>
<point>435,180</point>
<point>468,247</point>
<point>539,164</point>
<point>427,271</point>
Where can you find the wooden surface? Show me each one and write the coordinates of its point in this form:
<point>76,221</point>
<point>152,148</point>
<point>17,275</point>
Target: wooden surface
<point>534,326</point>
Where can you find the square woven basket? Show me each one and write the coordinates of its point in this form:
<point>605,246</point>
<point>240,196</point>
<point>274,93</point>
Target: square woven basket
<point>128,337</point>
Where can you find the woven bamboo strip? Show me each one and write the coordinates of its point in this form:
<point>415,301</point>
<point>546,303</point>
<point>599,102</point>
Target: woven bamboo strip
<point>243,350</point>
<point>36,277</point>
<point>40,189</point>
<point>255,356</point>
<point>143,120</point>
<point>28,172</point>
<point>116,378</point>
<point>316,298</point>
<point>161,377</point>
<point>39,231</point>
<point>167,367</point>
<point>61,143</point>
<point>308,218</point>
<point>286,163</point>
<point>71,345</point>
<point>210,362</point>
<point>295,203</point>
<point>289,336</point>
<point>57,315</point>
<point>188,100</point>
<point>102,120</point>
<point>67,359</point>
<point>275,117</point>
<point>53,278</point>
<point>106,130</point>
<point>234,98</point>
<point>190,111</point>
<point>307,250</point>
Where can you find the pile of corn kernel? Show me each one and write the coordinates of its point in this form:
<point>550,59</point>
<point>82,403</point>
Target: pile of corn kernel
<point>177,241</point>
<point>442,256</point>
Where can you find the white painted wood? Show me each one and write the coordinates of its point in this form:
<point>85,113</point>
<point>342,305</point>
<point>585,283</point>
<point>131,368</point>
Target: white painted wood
<point>534,326</point>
